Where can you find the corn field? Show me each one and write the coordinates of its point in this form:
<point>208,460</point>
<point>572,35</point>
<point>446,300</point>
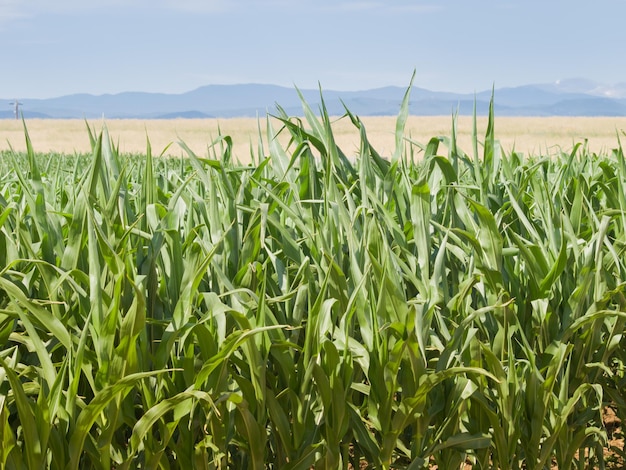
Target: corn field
<point>427,308</point>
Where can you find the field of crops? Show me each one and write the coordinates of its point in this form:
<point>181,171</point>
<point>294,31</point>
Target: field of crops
<point>526,135</point>
<point>433,306</point>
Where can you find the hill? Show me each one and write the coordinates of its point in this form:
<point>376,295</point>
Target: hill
<point>567,98</point>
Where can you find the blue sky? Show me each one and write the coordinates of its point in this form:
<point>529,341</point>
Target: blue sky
<point>51,48</point>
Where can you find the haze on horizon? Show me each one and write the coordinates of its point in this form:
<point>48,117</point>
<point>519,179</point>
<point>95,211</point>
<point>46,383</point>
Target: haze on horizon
<point>49,49</point>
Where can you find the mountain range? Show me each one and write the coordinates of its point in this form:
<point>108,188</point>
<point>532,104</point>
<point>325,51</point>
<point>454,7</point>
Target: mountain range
<point>572,97</point>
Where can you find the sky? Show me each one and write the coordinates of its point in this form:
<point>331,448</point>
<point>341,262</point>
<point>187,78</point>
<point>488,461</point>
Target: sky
<point>50,48</point>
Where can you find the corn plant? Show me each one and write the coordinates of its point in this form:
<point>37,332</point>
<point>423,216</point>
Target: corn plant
<point>311,310</point>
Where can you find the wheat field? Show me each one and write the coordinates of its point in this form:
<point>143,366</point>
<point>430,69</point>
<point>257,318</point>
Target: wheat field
<point>528,135</point>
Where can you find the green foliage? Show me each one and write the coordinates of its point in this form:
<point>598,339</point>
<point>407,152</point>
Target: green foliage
<point>308,310</point>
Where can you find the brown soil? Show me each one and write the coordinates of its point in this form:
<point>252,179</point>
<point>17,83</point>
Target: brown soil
<point>613,455</point>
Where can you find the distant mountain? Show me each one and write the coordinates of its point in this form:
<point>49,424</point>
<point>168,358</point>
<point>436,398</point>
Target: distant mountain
<point>572,97</point>
<point>27,114</point>
<point>184,115</point>
<point>586,87</point>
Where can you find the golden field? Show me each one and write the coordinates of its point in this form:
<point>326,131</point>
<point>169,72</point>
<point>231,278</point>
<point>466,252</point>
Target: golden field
<point>529,135</point>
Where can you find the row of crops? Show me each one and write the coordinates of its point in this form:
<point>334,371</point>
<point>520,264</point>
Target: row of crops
<point>434,307</point>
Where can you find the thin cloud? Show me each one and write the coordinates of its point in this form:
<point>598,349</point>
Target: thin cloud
<point>198,6</point>
<point>384,7</point>
<point>10,10</point>
<point>419,8</point>
<point>15,9</point>
<point>10,13</point>
<point>14,13</point>
<point>358,6</point>
<point>20,9</point>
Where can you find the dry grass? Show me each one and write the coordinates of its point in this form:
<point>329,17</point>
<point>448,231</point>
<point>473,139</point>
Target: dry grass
<point>527,135</point>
